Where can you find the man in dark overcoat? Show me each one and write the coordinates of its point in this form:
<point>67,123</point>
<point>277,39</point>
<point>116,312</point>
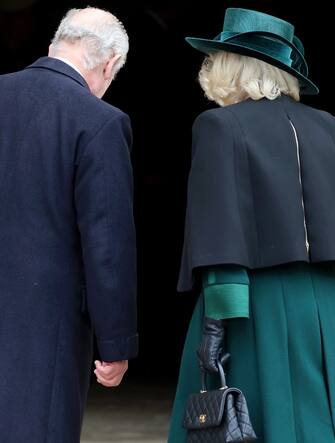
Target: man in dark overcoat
<point>67,238</point>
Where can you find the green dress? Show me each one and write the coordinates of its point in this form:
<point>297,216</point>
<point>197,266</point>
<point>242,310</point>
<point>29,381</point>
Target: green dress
<point>282,356</point>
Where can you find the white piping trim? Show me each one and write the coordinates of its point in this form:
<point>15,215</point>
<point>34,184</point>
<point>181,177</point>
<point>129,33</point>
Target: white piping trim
<point>300,180</point>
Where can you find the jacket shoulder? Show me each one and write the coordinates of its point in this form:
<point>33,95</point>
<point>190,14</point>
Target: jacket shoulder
<point>327,116</point>
<point>96,108</point>
<point>101,106</point>
<point>324,118</point>
<point>63,91</point>
<point>212,133</point>
<point>217,117</point>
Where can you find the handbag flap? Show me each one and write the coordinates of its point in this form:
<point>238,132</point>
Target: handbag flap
<point>204,410</point>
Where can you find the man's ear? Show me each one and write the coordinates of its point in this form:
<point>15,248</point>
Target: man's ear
<point>109,67</point>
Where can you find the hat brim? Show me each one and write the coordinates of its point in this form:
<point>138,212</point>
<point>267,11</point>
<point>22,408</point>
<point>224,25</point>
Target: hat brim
<point>207,46</point>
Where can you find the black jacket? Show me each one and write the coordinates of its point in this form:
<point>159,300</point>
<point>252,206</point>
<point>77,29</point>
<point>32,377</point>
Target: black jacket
<point>257,195</point>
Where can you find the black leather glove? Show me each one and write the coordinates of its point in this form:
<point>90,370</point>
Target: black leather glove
<point>212,344</point>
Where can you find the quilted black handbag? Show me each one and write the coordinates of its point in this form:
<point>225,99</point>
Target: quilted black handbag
<point>218,416</point>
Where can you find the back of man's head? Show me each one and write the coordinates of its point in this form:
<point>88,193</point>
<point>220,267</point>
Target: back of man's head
<point>98,33</point>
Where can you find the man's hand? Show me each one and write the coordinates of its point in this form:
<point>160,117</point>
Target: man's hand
<point>110,374</point>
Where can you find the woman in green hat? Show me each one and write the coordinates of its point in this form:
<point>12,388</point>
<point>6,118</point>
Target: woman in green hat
<point>260,234</point>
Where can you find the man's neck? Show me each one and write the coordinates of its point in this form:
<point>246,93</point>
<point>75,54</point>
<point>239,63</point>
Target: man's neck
<point>70,63</point>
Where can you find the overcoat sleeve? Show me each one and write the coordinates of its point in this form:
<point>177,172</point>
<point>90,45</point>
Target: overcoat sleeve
<point>214,233</point>
<point>104,204</point>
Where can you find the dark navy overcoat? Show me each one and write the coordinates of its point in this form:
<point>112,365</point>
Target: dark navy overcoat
<point>67,248</point>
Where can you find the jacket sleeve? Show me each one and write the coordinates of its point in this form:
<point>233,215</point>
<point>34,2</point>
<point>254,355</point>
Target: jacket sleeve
<point>215,231</point>
<point>226,292</point>
<point>104,204</point>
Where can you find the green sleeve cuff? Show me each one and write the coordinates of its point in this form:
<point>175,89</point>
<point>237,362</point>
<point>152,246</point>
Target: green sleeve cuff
<point>229,300</point>
<point>225,274</point>
<point>226,292</point>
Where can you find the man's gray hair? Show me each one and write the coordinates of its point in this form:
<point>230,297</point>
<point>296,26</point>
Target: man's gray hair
<point>102,39</point>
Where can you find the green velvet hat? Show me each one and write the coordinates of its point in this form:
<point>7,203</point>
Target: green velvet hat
<point>264,37</point>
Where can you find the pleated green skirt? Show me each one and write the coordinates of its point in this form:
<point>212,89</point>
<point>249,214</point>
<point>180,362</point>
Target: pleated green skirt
<point>282,357</point>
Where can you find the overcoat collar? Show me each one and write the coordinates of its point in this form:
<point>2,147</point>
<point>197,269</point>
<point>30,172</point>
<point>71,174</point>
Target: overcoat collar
<point>59,66</point>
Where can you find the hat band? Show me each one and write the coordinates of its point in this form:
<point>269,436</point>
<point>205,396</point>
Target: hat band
<point>270,44</point>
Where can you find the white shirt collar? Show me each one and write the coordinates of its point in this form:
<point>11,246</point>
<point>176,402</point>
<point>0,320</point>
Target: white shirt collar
<point>70,64</point>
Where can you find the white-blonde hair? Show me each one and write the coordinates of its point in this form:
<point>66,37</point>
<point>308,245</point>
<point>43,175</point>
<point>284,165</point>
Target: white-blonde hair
<point>228,78</point>
<point>102,38</point>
